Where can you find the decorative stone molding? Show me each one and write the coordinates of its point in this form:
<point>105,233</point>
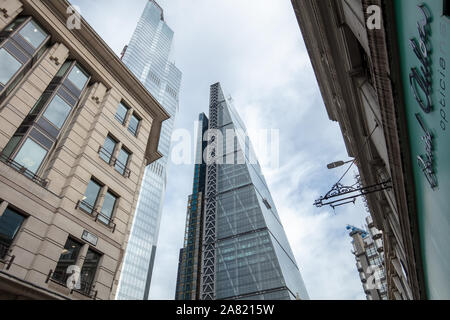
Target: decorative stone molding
<point>10,8</point>
<point>59,53</point>
<point>98,92</point>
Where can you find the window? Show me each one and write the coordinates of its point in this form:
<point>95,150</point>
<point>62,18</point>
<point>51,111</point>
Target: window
<point>10,223</point>
<point>17,57</point>
<point>371,251</point>
<point>108,208</point>
<point>78,77</point>
<point>8,66</point>
<point>122,161</point>
<point>31,155</point>
<point>11,146</point>
<point>134,124</point>
<point>90,197</point>
<point>62,71</point>
<point>33,34</point>
<point>108,149</point>
<point>447,8</point>
<point>89,270</point>
<point>69,256</point>
<point>15,24</point>
<point>121,113</point>
<point>57,111</point>
<point>40,103</point>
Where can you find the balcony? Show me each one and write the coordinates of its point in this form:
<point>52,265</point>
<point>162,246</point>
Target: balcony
<point>109,159</point>
<point>121,168</point>
<point>359,266</point>
<point>85,288</point>
<point>24,171</point>
<point>98,216</point>
<point>377,236</point>
<point>4,249</point>
<point>362,275</point>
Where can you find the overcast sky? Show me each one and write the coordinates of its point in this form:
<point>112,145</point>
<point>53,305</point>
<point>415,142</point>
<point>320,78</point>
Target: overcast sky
<point>255,49</point>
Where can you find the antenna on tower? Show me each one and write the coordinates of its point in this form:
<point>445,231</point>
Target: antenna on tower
<point>123,52</point>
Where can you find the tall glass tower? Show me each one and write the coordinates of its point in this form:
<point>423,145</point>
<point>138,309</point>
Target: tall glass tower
<point>147,56</point>
<point>235,246</point>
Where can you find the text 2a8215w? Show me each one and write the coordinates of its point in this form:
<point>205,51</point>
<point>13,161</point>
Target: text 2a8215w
<point>247,309</point>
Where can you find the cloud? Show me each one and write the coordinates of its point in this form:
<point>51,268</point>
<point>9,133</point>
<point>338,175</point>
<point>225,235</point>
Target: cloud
<point>255,49</point>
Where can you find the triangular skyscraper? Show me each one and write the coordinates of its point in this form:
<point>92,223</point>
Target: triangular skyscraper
<point>235,246</point>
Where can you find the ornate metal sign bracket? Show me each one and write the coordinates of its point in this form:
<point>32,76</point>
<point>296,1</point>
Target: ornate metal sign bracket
<point>340,195</point>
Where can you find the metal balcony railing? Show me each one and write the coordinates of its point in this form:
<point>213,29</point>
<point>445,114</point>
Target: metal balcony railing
<point>93,212</point>
<point>105,155</point>
<point>5,253</point>
<point>120,119</point>
<point>109,159</point>
<point>23,170</point>
<point>4,249</point>
<point>133,130</point>
<point>121,168</point>
<point>86,287</point>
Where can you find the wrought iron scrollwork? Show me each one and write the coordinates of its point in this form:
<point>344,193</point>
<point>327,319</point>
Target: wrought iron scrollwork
<point>340,194</point>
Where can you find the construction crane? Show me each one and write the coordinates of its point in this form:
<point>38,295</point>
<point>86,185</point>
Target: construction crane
<point>353,229</point>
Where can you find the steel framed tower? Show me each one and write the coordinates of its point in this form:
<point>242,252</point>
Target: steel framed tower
<point>245,253</point>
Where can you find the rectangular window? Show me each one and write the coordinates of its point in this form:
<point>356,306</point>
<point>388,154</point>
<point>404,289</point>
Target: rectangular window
<point>121,113</point>
<point>15,24</point>
<point>69,256</point>
<point>134,124</point>
<point>78,77</point>
<point>20,53</point>
<point>108,149</point>
<point>57,111</point>
<point>11,146</point>
<point>90,197</point>
<point>88,271</point>
<point>10,223</point>
<point>33,34</point>
<point>122,161</point>
<point>62,71</point>
<point>8,66</point>
<point>31,155</point>
<point>108,208</point>
<point>447,8</point>
<point>40,103</point>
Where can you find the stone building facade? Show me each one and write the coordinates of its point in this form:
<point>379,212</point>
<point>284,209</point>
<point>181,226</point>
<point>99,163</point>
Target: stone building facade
<point>77,129</point>
<point>354,59</point>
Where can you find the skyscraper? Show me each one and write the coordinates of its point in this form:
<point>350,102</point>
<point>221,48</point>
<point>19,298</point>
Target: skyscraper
<point>235,245</point>
<point>147,56</point>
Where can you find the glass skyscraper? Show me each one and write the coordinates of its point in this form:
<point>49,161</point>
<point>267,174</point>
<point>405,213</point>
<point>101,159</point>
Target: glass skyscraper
<point>147,56</point>
<point>235,245</point>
